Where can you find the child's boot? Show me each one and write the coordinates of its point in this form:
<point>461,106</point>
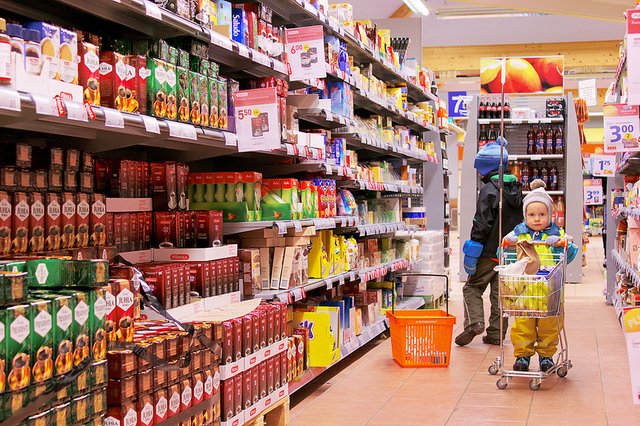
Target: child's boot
<point>522,363</point>
<point>546,363</point>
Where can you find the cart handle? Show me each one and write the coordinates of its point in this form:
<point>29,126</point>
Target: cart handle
<point>422,274</point>
<point>564,242</point>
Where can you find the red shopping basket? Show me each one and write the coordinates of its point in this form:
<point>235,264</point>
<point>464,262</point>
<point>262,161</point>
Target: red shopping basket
<point>422,338</point>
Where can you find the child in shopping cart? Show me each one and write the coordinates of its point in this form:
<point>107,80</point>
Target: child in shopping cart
<point>531,335</point>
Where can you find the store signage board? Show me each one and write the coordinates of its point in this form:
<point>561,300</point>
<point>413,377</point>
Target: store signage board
<point>603,165</point>
<point>587,91</point>
<point>633,69</point>
<point>540,74</point>
<point>458,104</point>
<point>621,131</point>
<point>256,114</point>
<point>593,194</point>
<point>305,52</point>
<point>631,325</point>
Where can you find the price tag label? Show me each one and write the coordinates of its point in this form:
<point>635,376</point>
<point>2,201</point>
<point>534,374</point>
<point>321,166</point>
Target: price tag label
<point>152,10</point>
<point>283,297</point>
<point>243,50</point>
<point>256,113</point>
<point>545,120</point>
<point>344,221</point>
<point>113,118</point>
<point>352,276</point>
<point>361,230</point>
<point>261,58</point>
<point>9,100</point>
<point>182,130</point>
<point>328,115</point>
<point>297,294</point>
<point>317,223</point>
<point>280,67</point>
<point>151,124</point>
<point>331,222</point>
<point>309,8</point>
<point>76,111</point>
<point>603,165</point>
<point>44,105</point>
<point>305,52</point>
<point>593,194</point>
<point>329,169</point>
<point>341,280</point>
<point>329,284</point>
<point>621,128</point>
<point>230,139</point>
<point>282,227</point>
<point>297,225</point>
<point>536,157</point>
<point>220,40</point>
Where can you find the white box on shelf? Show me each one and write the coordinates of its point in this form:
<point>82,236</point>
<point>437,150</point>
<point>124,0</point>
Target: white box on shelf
<point>194,254</point>
<point>25,82</point>
<point>135,257</point>
<point>126,205</point>
<point>215,302</point>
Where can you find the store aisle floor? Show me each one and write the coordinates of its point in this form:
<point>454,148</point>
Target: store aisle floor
<point>372,389</point>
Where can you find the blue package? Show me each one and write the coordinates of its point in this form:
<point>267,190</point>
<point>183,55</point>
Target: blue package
<point>238,25</point>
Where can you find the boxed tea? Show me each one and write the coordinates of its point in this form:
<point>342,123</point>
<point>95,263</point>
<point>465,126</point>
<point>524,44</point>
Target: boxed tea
<point>183,94</point>
<point>194,97</point>
<point>223,105</point>
<point>68,220</point>
<point>157,88</point>
<point>213,101</point>
<point>89,71</point>
<point>17,338</point>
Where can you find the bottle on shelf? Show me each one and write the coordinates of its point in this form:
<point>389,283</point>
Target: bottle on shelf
<point>493,135</point>
<point>524,179</point>
<point>540,141</point>
<point>499,110</point>
<point>482,140</point>
<point>558,140</point>
<point>482,110</point>
<point>531,141</point>
<point>515,169</point>
<point>534,172</point>
<point>493,110</point>
<point>544,174</point>
<point>548,147</point>
<point>553,178</point>
<point>559,208</point>
<point>507,109</point>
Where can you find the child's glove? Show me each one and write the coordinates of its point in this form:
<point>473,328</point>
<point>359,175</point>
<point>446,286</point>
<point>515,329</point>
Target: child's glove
<point>472,251</point>
<point>510,239</point>
<point>552,240</point>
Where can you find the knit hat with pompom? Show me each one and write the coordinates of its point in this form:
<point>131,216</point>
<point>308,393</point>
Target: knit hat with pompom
<point>537,195</point>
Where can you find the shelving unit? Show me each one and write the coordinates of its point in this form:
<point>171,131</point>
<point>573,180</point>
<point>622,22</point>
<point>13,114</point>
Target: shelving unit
<point>515,133</point>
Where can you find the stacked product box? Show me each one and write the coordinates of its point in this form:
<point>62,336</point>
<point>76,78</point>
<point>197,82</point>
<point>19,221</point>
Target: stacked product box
<point>188,229</point>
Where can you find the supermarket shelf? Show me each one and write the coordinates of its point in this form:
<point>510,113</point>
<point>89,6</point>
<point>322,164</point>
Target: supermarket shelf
<point>250,413</point>
<point>382,187</point>
<point>187,142</point>
<point>323,118</point>
<point>186,312</point>
<point>376,147</point>
<point>375,105</point>
<point>457,129</point>
<point>127,205</point>
<point>135,14</point>
<point>625,212</point>
<point>409,303</point>
<point>136,257</point>
<point>548,192</point>
<point>533,157</point>
<point>183,416</point>
<point>232,369</point>
<point>521,120</point>
<point>623,265</point>
<point>630,167</point>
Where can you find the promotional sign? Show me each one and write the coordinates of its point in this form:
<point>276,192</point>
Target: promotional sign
<point>587,91</point>
<point>593,195</point>
<point>621,128</point>
<point>458,104</point>
<point>305,52</point>
<point>544,74</point>
<point>603,165</point>
<point>257,119</point>
<point>631,325</point>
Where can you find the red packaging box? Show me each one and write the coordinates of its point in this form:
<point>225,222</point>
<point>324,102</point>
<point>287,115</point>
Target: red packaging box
<point>263,379</point>
<point>284,371</point>
<point>227,399</point>
<point>6,216</point>
<point>97,221</point>
<point>186,396</point>
<point>219,265</point>
<point>156,278</point>
<point>206,271</point>
<point>263,326</point>
<point>166,229</point>
<point>119,178</point>
<point>110,228</point>
<point>237,397</point>
<point>198,388</point>
<point>270,375</point>
<point>182,171</point>
<point>255,384</point>
<point>83,211</point>
<point>208,224</point>
<point>216,378</point>
<point>132,174</point>
<point>277,318</point>
<point>160,405</point>
<point>134,233</point>
<point>177,286</point>
<point>117,231</point>
<point>136,85</point>
<point>226,281</point>
<point>227,342</point>
<point>246,391</point>
<point>89,71</point>
<point>36,222</point>
<point>20,223</point>
<point>247,338</point>
<point>125,232</point>
<point>237,338</point>
<point>113,72</point>
<point>164,186</point>
<point>175,399</point>
<point>277,375</point>
<point>271,319</point>
<point>68,220</point>
<point>101,175</point>
<point>148,229</point>
<point>197,271</point>
<point>124,297</point>
<point>144,407</point>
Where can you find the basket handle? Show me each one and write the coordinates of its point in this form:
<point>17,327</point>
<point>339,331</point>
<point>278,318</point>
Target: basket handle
<point>423,274</point>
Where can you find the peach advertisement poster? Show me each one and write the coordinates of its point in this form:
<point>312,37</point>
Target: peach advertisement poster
<point>533,75</point>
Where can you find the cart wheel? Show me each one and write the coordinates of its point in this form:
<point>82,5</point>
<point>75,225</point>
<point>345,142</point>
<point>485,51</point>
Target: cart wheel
<point>502,384</point>
<point>562,371</point>
<point>493,369</point>
<point>534,385</point>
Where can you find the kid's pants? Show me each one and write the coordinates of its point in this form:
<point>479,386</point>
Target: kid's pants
<point>531,335</point>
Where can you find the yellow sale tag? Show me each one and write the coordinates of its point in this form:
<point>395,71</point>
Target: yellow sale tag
<point>255,112</point>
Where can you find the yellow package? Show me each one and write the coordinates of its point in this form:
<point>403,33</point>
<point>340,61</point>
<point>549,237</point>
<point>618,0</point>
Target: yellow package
<point>323,347</point>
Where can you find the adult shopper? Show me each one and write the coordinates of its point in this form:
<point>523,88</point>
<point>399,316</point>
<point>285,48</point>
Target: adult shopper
<point>481,247</point>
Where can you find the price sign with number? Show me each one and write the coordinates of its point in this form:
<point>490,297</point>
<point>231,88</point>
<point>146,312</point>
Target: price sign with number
<point>603,165</point>
<point>305,52</point>
<point>621,128</point>
<point>593,194</point>
<point>257,120</point>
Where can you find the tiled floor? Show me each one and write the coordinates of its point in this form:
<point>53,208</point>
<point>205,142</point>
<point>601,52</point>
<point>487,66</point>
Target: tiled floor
<point>371,389</point>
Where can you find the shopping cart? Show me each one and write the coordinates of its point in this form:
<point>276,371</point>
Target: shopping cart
<point>533,296</point>
<point>422,338</point>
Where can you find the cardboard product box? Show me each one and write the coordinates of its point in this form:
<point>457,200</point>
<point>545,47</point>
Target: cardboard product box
<point>41,344</point>
<point>164,186</point>
<point>8,178</point>
<point>203,97</point>
<point>136,84</point>
<point>41,180</point>
<point>186,396</point>
<point>97,221</point>
<point>212,83</point>
<point>36,222</point>
<point>223,104</point>
<point>171,90</point>
<point>55,180</point>
<point>70,181</point>
<point>262,368</point>
<point>123,292</point>
<point>117,231</point>
<point>174,397</point>
<point>276,270</point>
<point>24,180</point>
<point>68,220</point>
<point>125,232</point>
<point>284,371</point>
<point>250,264</point>
<point>49,46</point>
<point>83,211</point>
<point>194,97</point>
<point>144,409</point>
<point>238,401</point>
<point>157,88</point>
<point>237,338</point>
<point>184,95</point>
<point>17,347</point>
<point>270,375</point>
<point>265,269</point>
<point>113,74</point>
<point>228,398</point>
<point>20,223</point>
<point>160,405</point>
<point>6,216</point>
<point>287,267</point>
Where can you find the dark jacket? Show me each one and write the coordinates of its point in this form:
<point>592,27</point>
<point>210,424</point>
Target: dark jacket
<point>485,222</point>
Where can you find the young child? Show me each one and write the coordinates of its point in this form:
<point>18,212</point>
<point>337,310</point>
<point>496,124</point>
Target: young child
<point>531,335</point>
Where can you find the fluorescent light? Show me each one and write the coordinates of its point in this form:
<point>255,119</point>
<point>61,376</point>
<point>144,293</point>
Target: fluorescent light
<point>417,7</point>
<point>472,13</point>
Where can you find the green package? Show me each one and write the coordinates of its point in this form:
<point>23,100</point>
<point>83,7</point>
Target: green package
<point>183,58</point>
<point>203,98</point>
<point>17,338</point>
<point>48,272</point>
<point>231,211</point>
<point>80,325</point>
<point>91,273</point>
<point>156,90</point>
<point>213,101</point>
<point>41,332</point>
<point>14,287</point>
<point>97,320</point>
<point>194,99</point>
<point>183,94</point>
<point>159,50</point>
<point>173,56</point>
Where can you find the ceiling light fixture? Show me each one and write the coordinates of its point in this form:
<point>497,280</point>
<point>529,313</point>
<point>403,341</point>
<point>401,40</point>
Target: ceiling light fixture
<point>471,13</point>
<point>419,7</point>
